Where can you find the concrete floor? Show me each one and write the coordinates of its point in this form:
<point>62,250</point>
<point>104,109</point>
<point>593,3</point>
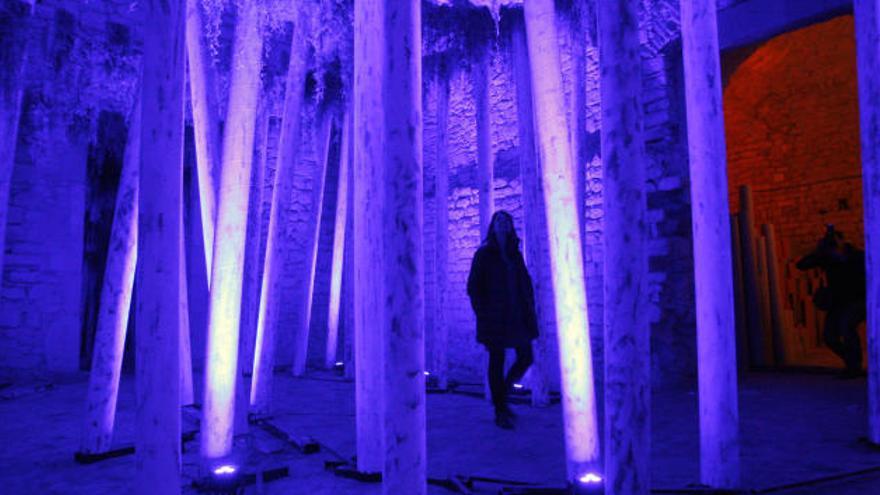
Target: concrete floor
<point>794,428</point>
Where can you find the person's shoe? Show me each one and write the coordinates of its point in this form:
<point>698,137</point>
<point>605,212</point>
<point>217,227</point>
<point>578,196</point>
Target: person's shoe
<point>504,421</point>
<point>509,412</point>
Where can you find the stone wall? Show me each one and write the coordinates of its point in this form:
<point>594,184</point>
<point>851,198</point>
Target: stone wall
<point>79,64</point>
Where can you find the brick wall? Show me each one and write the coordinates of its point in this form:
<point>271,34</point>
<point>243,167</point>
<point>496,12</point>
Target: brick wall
<point>791,111</point>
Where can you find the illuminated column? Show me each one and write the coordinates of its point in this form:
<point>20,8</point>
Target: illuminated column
<point>348,273</point>
<point>566,261</point>
<point>535,226</point>
<point>185,347</point>
<point>157,423</point>
<point>485,169</point>
<point>338,245</point>
<point>221,362</point>
<point>867,15</point>
<point>368,183</point>
<point>404,318</point>
<point>14,30</point>
<point>713,265</point>
<point>627,347</point>
<point>282,194</point>
<point>572,24</point>
<point>253,254</point>
<point>305,278</point>
<point>115,302</point>
<point>440,357</point>
<point>203,99</point>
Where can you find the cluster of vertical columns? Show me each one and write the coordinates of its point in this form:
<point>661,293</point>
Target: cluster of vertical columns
<point>627,340</point>
<point>14,29</point>
<point>115,303</point>
<point>157,438</point>
<point>282,192</point>
<point>867,20</point>
<point>221,368</point>
<point>566,261</point>
<point>713,265</point>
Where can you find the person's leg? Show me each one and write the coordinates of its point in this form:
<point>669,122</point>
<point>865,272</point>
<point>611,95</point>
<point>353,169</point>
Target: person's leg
<point>496,377</point>
<point>524,359</point>
<point>852,345</point>
<point>832,332</point>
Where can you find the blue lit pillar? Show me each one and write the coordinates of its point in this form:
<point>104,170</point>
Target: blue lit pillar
<point>627,339</point>
<point>224,314</point>
<point>867,16</point>
<point>566,261</point>
<point>339,240</point>
<point>206,130</point>
<point>440,361</point>
<point>403,332</point>
<point>713,265</point>
<point>157,437</point>
<point>115,302</point>
<point>368,288</point>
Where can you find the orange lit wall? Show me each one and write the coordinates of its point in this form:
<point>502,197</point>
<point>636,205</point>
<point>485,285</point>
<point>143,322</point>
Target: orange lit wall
<point>791,112</point>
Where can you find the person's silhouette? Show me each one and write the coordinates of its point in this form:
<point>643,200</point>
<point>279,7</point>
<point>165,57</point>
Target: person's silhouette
<point>843,298</point>
<point>502,297</point>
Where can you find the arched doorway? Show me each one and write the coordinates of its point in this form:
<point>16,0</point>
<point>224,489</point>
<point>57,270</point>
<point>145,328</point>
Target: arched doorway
<point>792,125</point>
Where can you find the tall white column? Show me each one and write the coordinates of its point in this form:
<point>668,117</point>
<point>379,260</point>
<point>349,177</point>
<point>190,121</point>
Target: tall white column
<point>253,253</point>
<point>627,346</point>
<point>282,194</point>
<point>440,357</point>
<point>157,437</point>
<point>713,265</point>
<point>368,183</point>
<point>338,257</point>
<point>224,313</point>
<point>115,302</point>
<point>480,79</point>
<point>14,28</point>
<point>867,16</point>
<point>404,318</point>
<point>533,214</point>
<point>203,98</point>
<point>566,260</point>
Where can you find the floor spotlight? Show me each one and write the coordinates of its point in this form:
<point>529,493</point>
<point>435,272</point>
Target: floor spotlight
<point>224,478</point>
<point>589,484</point>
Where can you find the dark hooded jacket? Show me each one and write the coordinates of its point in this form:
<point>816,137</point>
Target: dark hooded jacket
<point>502,296</point>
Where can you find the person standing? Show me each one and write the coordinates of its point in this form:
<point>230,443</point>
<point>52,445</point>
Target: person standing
<point>843,298</point>
<point>502,296</point>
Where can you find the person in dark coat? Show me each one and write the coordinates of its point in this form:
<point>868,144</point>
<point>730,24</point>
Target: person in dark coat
<point>843,298</point>
<point>503,299</point>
